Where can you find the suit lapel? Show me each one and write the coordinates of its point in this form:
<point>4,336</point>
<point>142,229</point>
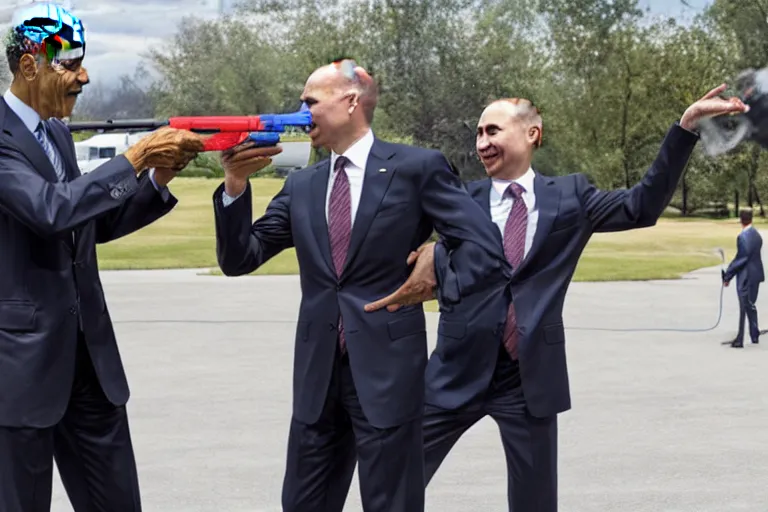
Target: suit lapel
<point>318,191</point>
<point>481,193</point>
<point>547,199</point>
<point>62,142</point>
<point>375,185</point>
<point>27,144</point>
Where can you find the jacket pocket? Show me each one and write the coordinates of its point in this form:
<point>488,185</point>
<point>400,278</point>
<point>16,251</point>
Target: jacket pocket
<point>407,326</point>
<point>17,316</point>
<point>455,330</point>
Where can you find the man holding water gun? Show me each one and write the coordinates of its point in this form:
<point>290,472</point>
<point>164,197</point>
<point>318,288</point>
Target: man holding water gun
<point>62,386</point>
<point>356,220</point>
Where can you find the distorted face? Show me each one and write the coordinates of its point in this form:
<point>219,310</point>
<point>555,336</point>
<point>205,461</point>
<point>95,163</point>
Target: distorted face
<point>53,87</point>
<point>331,105</point>
<point>505,139</point>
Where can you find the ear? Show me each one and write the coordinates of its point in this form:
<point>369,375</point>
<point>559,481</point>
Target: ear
<point>535,135</point>
<point>354,100</point>
<point>28,67</point>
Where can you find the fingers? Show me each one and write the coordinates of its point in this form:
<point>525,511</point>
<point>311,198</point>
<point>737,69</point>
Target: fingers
<point>261,152</point>
<point>715,92</point>
<point>390,300</point>
<point>412,257</point>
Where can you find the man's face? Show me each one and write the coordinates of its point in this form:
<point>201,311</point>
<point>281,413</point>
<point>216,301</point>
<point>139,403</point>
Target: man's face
<point>329,104</point>
<point>56,87</point>
<point>504,139</point>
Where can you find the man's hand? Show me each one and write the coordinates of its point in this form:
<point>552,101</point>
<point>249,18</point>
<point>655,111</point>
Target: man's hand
<point>241,162</point>
<point>711,105</point>
<point>420,285</point>
<point>166,148</point>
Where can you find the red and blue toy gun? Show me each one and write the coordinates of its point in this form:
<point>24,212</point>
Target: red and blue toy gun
<point>226,131</point>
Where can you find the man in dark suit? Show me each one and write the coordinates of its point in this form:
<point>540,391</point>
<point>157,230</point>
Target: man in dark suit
<point>506,358</point>
<point>355,219</point>
<point>747,266</point>
<point>62,387</point>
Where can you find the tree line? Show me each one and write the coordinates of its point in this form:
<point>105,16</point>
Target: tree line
<point>608,78</point>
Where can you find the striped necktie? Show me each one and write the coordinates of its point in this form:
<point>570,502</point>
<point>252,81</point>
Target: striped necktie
<point>514,249</point>
<point>41,133</point>
<point>340,226</point>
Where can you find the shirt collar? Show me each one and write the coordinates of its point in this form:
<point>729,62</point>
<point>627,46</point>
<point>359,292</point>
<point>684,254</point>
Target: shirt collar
<point>525,181</point>
<point>357,152</point>
<point>27,114</point>
<point>744,228</point>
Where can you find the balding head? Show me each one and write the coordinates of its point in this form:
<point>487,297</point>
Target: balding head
<point>522,110</point>
<point>342,97</point>
<point>508,132</point>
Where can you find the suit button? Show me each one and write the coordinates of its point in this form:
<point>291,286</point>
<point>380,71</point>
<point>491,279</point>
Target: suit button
<point>338,287</point>
<point>331,327</point>
<point>73,310</point>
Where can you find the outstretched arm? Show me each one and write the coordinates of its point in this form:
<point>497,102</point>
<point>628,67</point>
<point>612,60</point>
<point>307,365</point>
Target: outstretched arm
<point>149,203</point>
<point>242,247</point>
<point>52,209</point>
<point>643,204</point>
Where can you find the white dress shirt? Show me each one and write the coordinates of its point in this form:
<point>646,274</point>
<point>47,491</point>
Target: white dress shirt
<point>501,205</point>
<point>27,114</point>
<point>357,154</point>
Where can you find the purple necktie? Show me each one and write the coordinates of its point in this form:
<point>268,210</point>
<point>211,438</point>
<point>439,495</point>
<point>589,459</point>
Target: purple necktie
<point>514,249</point>
<point>340,225</point>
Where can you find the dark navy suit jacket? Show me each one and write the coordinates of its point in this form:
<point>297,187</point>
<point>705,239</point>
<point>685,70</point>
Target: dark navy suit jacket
<point>49,279</point>
<point>747,266</point>
<point>398,209</point>
<point>570,210</point>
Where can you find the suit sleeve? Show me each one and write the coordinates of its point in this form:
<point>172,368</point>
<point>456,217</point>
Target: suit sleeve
<point>242,247</point>
<point>140,210</point>
<point>742,256</point>
<point>642,205</point>
<point>468,255</point>
<point>51,209</point>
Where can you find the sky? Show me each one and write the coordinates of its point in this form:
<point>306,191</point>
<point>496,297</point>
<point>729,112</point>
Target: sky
<point>119,31</point>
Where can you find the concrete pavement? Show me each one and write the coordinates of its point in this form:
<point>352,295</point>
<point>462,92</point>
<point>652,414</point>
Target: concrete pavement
<point>662,421</point>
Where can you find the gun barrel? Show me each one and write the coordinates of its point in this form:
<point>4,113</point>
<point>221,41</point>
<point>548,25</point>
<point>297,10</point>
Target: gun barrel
<point>117,124</point>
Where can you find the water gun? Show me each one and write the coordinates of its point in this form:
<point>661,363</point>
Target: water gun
<point>226,131</point>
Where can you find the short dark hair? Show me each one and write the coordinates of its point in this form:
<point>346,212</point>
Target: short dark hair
<point>15,48</point>
<point>746,216</point>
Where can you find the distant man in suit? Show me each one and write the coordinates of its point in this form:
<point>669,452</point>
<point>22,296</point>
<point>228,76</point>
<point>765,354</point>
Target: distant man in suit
<point>506,358</point>
<point>62,386</point>
<point>355,219</point>
<point>747,266</point>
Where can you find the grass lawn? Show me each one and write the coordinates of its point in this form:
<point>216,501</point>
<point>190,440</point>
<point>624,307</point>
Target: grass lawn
<point>185,239</point>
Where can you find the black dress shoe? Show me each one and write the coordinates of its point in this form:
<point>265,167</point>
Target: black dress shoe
<point>737,344</point>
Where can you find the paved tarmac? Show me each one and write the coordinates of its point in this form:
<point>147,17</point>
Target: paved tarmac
<point>661,421</point>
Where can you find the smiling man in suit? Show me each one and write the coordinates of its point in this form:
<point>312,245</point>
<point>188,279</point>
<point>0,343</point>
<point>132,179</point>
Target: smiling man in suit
<point>354,220</point>
<point>62,386</point>
<point>747,267</point>
<point>506,358</point>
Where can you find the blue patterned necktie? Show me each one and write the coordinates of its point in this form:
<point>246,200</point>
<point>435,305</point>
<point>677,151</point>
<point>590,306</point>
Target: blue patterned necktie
<point>42,137</point>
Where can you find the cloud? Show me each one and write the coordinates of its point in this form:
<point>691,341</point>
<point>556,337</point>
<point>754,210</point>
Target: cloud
<point>119,32</point>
